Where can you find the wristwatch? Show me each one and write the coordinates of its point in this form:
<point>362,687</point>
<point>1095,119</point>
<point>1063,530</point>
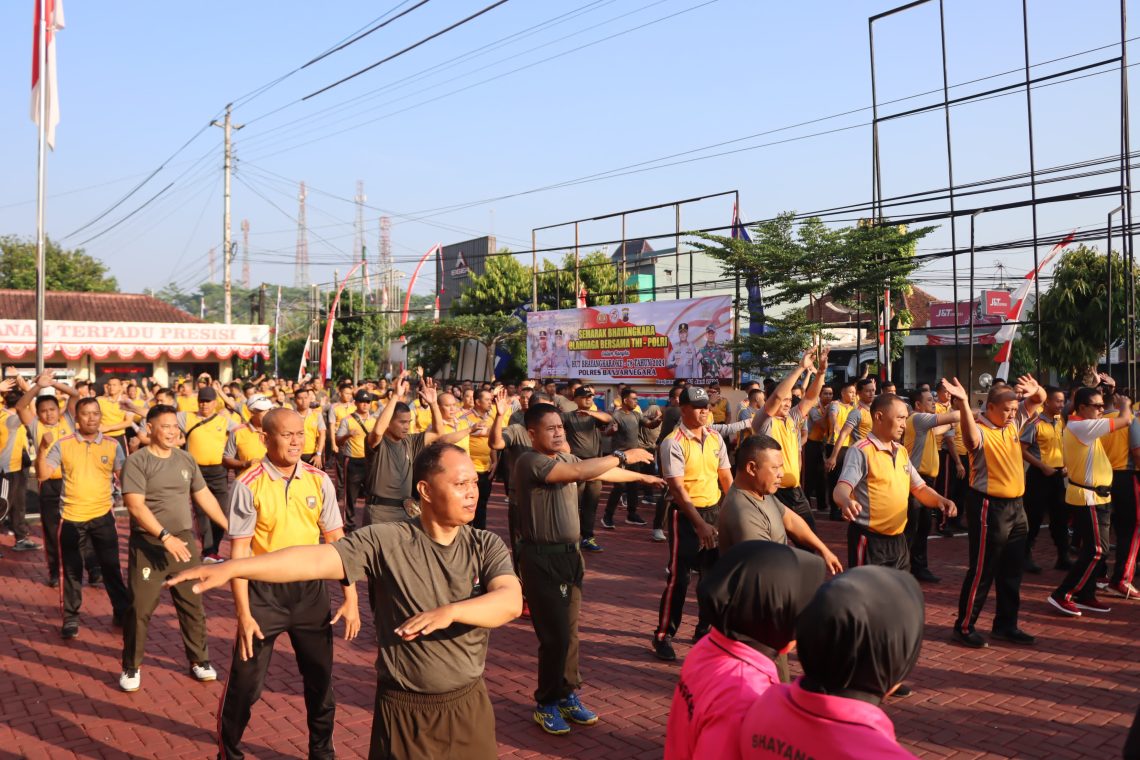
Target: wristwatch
<point>162,536</point>
<point>621,457</point>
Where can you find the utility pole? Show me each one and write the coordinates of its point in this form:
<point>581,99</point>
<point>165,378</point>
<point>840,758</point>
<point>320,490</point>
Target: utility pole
<point>227,253</point>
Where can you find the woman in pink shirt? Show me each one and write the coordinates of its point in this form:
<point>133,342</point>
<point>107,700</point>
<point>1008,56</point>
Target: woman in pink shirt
<point>751,597</point>
<point>857,640</point>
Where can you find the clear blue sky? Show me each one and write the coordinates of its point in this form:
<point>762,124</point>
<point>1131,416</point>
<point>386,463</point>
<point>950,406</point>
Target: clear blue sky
<point>138,82</point>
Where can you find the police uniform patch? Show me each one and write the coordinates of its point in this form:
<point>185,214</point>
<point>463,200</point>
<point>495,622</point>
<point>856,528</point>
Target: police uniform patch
<point>103,459</point>
<point>311,502</point>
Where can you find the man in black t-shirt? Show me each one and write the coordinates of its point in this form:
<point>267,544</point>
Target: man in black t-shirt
<point>443,586</point>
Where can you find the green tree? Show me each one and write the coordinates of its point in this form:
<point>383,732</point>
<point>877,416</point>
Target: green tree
<point>798,264</point>
<point>66,269</point>
<point>504,285</point>
<point>1075,310</point>
<point>429,340</point>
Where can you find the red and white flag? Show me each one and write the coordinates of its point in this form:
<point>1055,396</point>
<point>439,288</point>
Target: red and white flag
<point>582,298</point>
<point>45,83</point>
<point>1008,331</point>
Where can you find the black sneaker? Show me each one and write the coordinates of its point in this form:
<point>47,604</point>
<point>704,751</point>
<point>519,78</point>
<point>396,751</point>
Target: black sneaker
<point>663,649</point>
<point>635,519</point>
<point>1016,636</point>
<point>902,692</point>
<point>69,630</point>
<point>1031,566</point>
<point>53,582</point>
<point>607,522</point>
<point>95,581</point>
<point>972,639</point>
<point>1063,563</point>
<point>925,576</point>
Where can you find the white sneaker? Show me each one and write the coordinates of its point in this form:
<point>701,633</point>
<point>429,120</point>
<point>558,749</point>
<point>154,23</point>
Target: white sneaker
<point>204,671</point>
<point>212,559</point>
<point>130,680</point>
<point>658,535</point>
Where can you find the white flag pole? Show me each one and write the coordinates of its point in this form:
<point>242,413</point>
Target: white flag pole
<point>41,57</point>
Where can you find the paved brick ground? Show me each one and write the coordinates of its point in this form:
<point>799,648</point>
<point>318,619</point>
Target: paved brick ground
<point>1072,696</point>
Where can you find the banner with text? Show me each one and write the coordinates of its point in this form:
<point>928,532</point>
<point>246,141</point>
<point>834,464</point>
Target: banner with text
<point>644,343</point>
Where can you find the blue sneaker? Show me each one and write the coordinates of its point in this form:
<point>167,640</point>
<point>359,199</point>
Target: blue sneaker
<point>551,720</point>
<point>572,708</point>
<point>591,545</point>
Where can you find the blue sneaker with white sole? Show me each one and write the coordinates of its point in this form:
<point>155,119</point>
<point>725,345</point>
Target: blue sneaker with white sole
<point>551,720</point>
<point>572,708</point>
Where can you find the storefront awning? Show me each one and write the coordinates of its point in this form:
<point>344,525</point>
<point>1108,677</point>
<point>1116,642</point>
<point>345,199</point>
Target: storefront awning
<point>132,339</point>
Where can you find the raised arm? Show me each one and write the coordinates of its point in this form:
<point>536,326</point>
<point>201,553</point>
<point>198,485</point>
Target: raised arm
<point>593,469</point>
<point>503,411</point>
<point>971,438</point>
<point>401,387</point>
<point>783,390</point>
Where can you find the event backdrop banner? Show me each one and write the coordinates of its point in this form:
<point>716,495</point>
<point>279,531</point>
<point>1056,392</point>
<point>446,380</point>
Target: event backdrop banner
<point>652,343</point>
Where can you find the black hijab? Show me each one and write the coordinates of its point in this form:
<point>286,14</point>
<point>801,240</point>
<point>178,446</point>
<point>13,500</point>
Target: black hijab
<point>756,591</point>
<point>861,633</point>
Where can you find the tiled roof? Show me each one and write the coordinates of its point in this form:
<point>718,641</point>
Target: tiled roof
<point>92,307</point>
<point>918,303</point>
<point>635,250</point>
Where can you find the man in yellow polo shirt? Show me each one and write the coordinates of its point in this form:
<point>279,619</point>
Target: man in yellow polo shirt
<point>481,418</point>
<point>694,463</point>
<point>782,421</point>
<point>877,479</point>
<point>49,418</point>
<point>836,448</point>
<point>278,503</point>
<point>857,423</point>
<point>995,514</point>
<point>13,463</point>
<point>924,428</point>
<point>88,461</point>
<point>1088,496</point>
<point>207,431</point>
<point>245,446</point>
<point>352,440</point>
<point>1045,479</point>
<point>304,401</point>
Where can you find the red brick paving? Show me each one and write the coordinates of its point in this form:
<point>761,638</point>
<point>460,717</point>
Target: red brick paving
<point>1072,696</point>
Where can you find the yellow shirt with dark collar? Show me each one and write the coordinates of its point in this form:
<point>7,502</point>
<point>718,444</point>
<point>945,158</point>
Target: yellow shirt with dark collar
<point>842,412</point>
<point>786,432</point>
<point>13,441</point>
<point>357,429</point>
<point>87,467</point>
<point>1044,439</point>
<point>314,424</point>
<point>245,444</point>
<point>59,431</point>
<point>276,512</point>
<point>696,461</point>
<point>205,440</point>
<point>881,477</point>
<point>996,467</point>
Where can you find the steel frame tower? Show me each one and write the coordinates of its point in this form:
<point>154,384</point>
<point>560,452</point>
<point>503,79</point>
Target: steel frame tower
<point>301,267</point>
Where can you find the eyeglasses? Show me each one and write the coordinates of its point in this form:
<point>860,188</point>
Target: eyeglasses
<point>1096,406</point>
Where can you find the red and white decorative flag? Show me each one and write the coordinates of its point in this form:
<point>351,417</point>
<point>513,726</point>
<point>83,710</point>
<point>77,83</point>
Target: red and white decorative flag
<point>45,83</point>
<point>1008,332</point>
<point>326,347</point>
<point>582,298</point>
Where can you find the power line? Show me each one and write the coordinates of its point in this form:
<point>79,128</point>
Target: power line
<point>409,48</point>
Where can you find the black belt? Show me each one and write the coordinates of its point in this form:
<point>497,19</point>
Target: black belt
<point>385,501</point>
<point>552,548</point>
<point>1104,491</point>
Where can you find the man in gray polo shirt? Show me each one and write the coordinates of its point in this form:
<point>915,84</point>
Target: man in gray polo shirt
<point>158,483</point>
<point>750,511</point>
